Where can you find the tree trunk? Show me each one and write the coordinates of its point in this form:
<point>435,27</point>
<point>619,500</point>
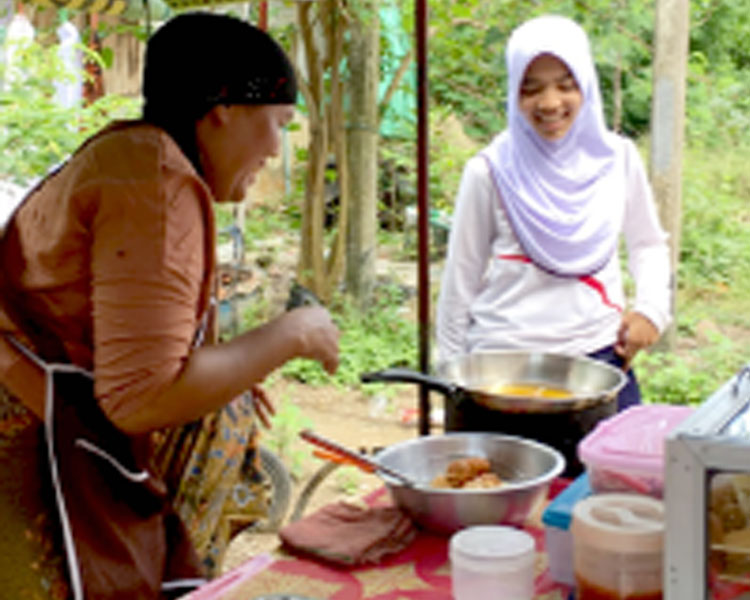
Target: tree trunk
<point>311,265</point>
<point>337,122</point>
<point>364,65</point>
<point>668,123</point>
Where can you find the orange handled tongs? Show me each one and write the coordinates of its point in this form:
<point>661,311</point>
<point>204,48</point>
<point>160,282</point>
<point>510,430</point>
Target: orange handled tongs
<point>330,450</point>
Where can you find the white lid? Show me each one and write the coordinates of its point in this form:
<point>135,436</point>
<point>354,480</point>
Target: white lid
<point>626,523</point>
<point>492,542</point>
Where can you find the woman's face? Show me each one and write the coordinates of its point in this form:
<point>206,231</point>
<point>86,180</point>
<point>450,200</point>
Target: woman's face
<point>549,97</point>
<point>235,142</point>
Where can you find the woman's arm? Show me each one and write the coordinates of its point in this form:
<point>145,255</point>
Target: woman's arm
<point>148,268</point>
<point>647,245</point>
<point>648,262</point>
<point>469,249</point>
<point>215,374</point>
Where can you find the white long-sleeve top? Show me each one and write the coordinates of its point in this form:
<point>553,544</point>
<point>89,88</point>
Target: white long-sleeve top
<point>492,297</point>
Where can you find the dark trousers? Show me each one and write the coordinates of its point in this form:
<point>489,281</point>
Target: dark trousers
<point>630,395</point>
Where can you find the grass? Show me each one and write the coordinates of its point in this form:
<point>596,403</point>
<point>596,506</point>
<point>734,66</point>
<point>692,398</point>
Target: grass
<point>713,295</point>
<point>370,340</point>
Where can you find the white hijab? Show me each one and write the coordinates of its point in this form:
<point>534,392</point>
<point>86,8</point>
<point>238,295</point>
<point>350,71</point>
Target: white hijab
<point>564,198</point>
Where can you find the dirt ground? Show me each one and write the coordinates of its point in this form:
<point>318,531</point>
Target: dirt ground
<point>347,417</point>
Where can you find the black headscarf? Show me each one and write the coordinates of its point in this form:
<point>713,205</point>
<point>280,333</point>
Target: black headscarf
<point>198,60</point>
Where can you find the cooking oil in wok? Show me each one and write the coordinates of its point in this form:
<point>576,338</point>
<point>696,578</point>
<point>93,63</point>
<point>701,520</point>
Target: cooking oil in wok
<point>529,390</point>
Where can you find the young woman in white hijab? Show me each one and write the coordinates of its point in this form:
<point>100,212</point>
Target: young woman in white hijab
<point>533,254</point>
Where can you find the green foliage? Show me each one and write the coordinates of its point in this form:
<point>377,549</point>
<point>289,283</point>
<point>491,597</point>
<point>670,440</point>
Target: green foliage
<point>715,247</point>
<point>282,438</point>
<point>688,378</point>
<point>36,133</point>
<point>449,149</point>
<point>713,297</point>
<point>467,70</point>
<point>719,31</point>
<point>377,338</point>
<point>348,480</point>
<point>448,155</point>
<point>718,103</point>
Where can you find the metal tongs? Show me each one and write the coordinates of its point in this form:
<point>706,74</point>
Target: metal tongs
<point>337,453</point>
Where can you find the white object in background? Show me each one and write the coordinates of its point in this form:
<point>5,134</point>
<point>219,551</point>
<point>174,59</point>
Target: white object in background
<point>489,562</point>
<point>11,196</point>
<point>20,32</point>
<point>7,10</point>
<point>69,90</point>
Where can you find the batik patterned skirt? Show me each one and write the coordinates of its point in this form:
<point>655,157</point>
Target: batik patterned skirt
<point>202,463</point>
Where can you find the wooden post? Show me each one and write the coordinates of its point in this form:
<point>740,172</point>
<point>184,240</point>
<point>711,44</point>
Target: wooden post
<point>668,125</point>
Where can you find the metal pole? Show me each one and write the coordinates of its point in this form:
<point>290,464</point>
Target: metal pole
<point>423,206</point>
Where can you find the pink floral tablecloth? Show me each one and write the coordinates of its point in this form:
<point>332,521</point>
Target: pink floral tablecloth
<point>420,572</point>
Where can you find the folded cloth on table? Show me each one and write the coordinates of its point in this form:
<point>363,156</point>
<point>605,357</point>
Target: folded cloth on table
<point>348,534</point>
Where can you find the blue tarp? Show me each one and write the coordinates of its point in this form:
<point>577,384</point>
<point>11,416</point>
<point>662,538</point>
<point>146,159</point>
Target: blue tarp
<point>400,117</point>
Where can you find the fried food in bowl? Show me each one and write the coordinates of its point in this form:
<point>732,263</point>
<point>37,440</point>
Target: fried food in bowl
<point>524,467</point>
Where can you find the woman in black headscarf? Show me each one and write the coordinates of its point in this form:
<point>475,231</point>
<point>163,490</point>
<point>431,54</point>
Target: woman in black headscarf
<point>105,296</point>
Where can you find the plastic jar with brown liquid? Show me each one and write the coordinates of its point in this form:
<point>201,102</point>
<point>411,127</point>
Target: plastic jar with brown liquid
<point>618,547</point>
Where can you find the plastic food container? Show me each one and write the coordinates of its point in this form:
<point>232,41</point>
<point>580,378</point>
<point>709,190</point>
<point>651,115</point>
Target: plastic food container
<point>492,561</point>
<point>625,453</point>
<point>558,539</point>
<point>618,542</point>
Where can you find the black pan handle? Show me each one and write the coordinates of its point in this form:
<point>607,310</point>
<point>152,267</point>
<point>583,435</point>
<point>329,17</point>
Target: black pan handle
<point>401,375</point>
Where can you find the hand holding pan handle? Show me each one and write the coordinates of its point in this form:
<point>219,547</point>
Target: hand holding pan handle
<point>401,375</point>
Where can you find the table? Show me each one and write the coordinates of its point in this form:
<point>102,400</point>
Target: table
<point>420,572</point>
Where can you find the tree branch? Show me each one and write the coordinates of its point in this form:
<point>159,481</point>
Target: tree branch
<point>470,22</point>
<point>395,82</point>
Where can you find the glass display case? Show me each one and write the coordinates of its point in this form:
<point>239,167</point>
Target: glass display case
<point>707,496</point>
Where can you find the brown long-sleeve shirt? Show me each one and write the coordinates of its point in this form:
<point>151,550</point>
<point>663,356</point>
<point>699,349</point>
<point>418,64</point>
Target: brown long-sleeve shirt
<point>115,254</point>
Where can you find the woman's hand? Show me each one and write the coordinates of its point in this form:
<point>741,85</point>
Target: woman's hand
<point>316,334</point>
<point>636,333</point>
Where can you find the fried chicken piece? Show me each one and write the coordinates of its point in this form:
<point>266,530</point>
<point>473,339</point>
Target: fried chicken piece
<point>715,528</point>
<point>440,482</point>
<point>484,481</point>
<point>462,470</point>
<point>732,517</point>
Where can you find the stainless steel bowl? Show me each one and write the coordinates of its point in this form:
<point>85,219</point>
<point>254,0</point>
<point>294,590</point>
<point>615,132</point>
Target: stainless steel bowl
<point>526,467</point>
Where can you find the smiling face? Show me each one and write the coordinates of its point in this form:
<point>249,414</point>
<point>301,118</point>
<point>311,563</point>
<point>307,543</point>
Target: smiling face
<point>234,142</point>
<point>549,97</point>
